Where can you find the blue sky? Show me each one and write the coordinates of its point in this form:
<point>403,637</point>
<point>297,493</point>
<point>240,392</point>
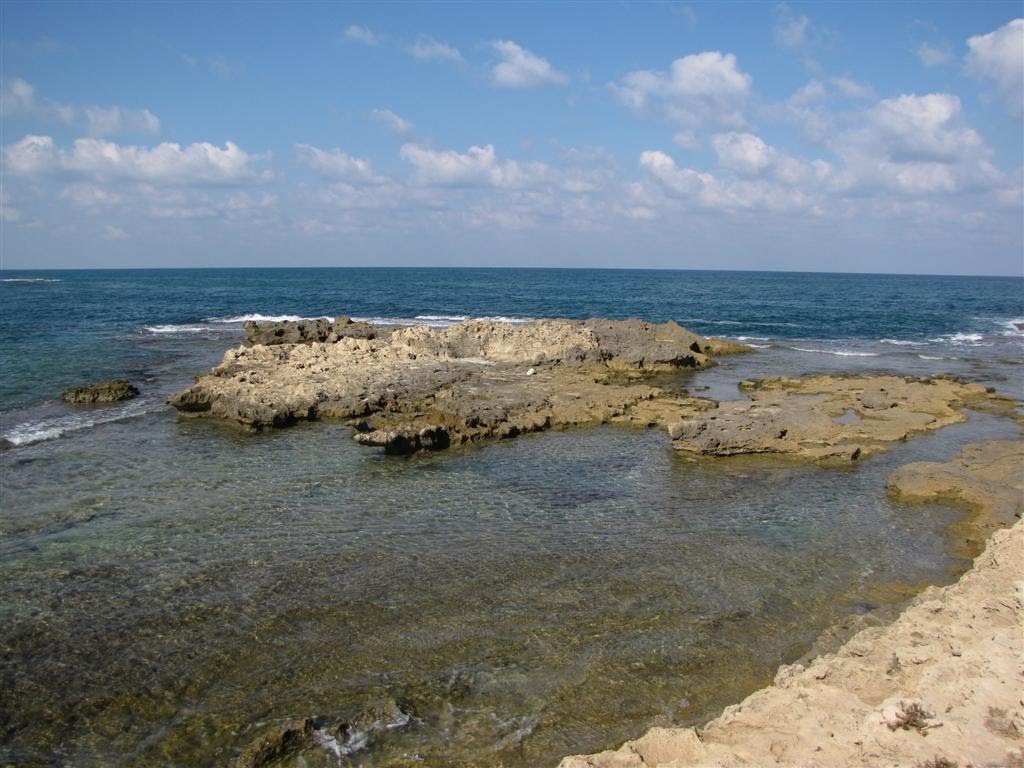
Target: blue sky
<point>814,136</point>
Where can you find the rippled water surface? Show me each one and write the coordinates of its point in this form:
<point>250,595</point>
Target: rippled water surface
<point>171,589</point>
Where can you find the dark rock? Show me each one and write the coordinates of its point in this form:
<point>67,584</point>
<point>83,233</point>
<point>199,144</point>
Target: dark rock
<point>277,743</point>
<point>648,346</point>
<point>379,715</point>
<point>307,331</point>
<point>287,332</point>
<point>101,392</point>
<point>405,441</point>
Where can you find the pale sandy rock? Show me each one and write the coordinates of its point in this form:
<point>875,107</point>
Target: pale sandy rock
<point>421,388</point>
<point>830,418</point>
<point>944,681</point>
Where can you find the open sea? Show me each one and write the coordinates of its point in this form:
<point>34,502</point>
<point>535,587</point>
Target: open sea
<point>173,588</point>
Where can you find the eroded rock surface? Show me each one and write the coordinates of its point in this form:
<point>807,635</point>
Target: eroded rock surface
<point>308,331</point>
<point>101,392</point>
<point>939,686</point>
<point>418,388</point>
<point>830,418</point>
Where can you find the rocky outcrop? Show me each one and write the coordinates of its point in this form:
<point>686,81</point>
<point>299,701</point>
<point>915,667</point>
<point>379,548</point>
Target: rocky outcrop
<point>294,741</point>
<point>101,392</point>
<point>308,331</point>
<point>940,686</point>
<point>830,418</point>
<point>420,388</point>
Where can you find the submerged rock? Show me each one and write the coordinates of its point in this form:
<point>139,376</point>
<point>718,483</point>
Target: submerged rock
<point>277,743</point>
<point>323,740</point>
<point>101,392</point>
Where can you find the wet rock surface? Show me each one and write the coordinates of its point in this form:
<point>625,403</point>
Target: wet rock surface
<point>322,741</point>
<point>100,392</point>
<point>412,389</point>
<point>309,331</point>
<point>830,418</point>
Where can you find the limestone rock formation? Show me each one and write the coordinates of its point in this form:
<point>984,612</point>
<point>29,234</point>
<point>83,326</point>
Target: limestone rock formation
<point>420,388</point>
<point>830,418</point>
<point>308,331</point>
<point>101,392</point>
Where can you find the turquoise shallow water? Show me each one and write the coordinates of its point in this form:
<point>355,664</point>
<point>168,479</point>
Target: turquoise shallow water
<point>172,587</point>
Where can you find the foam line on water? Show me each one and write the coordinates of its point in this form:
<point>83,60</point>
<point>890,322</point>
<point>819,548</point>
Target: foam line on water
<point>837,352</point>
<point>30,432</point>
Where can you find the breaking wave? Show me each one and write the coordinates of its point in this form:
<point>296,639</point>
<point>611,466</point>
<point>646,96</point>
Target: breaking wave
<point>50,428</point>
<point>838,352</point>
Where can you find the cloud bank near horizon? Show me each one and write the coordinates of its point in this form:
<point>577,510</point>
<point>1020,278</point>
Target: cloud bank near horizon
<point>712,165</point>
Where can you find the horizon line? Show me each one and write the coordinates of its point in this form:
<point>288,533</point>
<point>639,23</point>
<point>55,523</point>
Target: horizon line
<point>523,268</point>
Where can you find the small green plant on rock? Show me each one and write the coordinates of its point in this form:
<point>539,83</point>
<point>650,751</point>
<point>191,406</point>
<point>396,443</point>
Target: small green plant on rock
<point>911,715</point>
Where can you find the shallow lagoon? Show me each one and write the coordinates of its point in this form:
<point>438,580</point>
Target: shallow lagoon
<point>522,600</point>
<point>172,588</point>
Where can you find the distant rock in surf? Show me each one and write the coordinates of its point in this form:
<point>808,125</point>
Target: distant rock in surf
<point>308,331</point>
<point>101,392</point>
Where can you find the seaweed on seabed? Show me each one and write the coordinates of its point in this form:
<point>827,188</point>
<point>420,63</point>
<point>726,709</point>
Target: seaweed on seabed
<point>937,762</point>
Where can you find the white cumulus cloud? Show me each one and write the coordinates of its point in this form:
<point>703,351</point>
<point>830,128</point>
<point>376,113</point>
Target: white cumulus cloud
<point>790,28</point>
<point>335,164</point>
<point>396,123</point>
<point>916,145</point>
<point>102,121</point>
<point>7,210</point>
<point>18,99</point>
<point>999,58</point>
<point>477,167</point>
<point>427,48</point>
<point>933,55</point>
<point>200,163</point>
<point>356,34</point>
<point>519,68</point>
<point>705,88</point>
<point>110,232</point>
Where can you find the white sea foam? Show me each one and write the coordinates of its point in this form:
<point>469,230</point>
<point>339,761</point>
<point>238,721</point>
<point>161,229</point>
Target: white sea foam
<point>962,340</point>
<point>439,321</point>
<point>51,428</point>
<point>758,346</point>
<point>258,318</point>
<point>839,352</point>
<point>902,342</point>
<point>181,328</point>
<point>753,338</point>
<point>933,357</point>
<point>765,323</point>
<point>1013,327</point>
<point>29,280</point>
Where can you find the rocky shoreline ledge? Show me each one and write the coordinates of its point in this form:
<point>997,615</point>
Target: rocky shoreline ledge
<point>939,687</point>
<point>417,388</point>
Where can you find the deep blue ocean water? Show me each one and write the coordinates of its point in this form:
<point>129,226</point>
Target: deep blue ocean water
<point>173,587</point>
<point>62,327</point>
